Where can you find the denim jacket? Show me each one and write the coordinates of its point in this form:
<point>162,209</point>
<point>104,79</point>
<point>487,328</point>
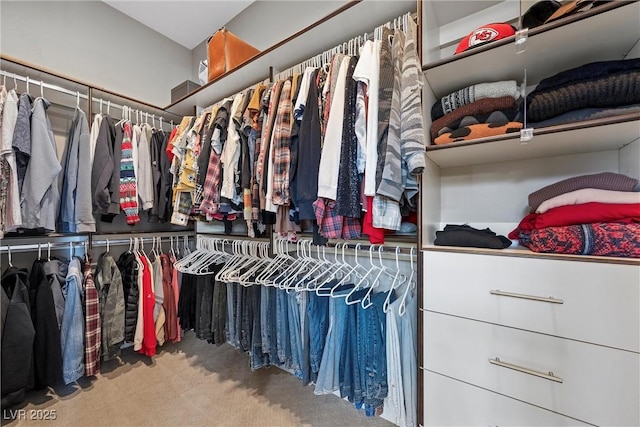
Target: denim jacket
<point>72,329</point>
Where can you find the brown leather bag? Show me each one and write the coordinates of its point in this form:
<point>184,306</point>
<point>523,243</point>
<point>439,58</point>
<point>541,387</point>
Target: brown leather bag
<point>226,51</point>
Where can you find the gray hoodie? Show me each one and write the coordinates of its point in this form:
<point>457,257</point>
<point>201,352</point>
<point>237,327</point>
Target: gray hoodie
<point>40,194</point>
<point>75,207</point>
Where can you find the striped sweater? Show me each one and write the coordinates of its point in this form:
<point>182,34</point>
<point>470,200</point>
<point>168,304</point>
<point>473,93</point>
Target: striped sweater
<point>128,189</point>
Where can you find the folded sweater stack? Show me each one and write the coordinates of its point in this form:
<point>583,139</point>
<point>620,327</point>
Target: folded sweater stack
<point>477,111</point>
<point>585,215</point>
<point>595,90</point>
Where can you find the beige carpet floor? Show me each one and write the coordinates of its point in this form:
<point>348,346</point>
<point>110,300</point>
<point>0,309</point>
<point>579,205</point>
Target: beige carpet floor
<point>191,383</point>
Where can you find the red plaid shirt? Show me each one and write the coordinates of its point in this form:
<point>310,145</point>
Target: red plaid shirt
<point>334,226</point>
<point>92,331</point>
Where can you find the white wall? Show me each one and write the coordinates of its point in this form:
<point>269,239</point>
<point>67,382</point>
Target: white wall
<point>91,41</point>
<point>265,23</point>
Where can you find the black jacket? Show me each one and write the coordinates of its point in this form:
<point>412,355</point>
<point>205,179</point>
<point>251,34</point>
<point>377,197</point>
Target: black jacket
<point>47,349</point>
<point>17,335</point>
<point>128,267</point>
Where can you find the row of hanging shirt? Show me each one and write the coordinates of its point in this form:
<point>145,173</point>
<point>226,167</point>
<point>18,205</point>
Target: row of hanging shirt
<point>40,192</point>
<point>61,318</point>
<point>29,189</point>
<point>142,301</point>
<point>131,169</point>
<point>348,327</point>
<point>53,332</point>
<point>339,146</point>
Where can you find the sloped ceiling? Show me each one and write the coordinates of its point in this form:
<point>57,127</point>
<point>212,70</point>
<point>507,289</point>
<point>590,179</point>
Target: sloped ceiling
<point>185,22</point>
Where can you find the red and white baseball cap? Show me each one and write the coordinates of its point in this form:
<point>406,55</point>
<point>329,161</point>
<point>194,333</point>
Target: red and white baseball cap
<point>485,34</point>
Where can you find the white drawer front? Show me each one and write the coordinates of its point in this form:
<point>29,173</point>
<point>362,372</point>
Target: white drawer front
<point>448,402</point>
<point>600,302</point>
<point>599,385</point>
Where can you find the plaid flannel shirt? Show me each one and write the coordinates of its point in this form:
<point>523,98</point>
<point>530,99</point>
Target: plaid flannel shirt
<point>211,191</point>
<point>334,226</point>
<point>92,330</point>
<point>281,147</point>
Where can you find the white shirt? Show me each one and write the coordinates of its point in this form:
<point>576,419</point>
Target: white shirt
<point>231,153</point>
<point>330,157</point>
<point>368,71</point>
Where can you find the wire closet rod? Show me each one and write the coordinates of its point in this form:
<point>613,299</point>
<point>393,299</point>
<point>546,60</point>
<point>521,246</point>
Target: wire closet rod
<point>42,84</point>
<point>348,47</point>
<point>35,246</point>
<point>127,241</point>
<point>357,246</point>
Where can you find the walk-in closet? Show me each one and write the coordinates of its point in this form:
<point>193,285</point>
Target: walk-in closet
<point>345,212</point>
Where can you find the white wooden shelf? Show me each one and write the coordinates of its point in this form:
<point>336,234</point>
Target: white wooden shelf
<point>550,48</point>
<point>523,252</point>
<point>579,137</point>
<point>351,20</point>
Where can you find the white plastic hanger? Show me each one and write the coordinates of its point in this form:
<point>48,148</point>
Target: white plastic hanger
<point>410,286</point>
<point>366,301</point>
<point>398,279</point>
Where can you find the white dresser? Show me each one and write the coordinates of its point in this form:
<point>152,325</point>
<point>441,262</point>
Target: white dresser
<point>511,337</point>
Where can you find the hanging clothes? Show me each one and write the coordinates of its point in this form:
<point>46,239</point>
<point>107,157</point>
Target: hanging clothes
<point>10,197</point>
<point>159,315</point>
<point>40,196</point>
<point>92,328</point>
<point>144,175</point>
<point>47,349</point>
<point>128,266</point>
<point>108,282</point>
<point>103,168</point>
<point>170,303</point>
<point>75,207</point>
<point>17,335</point>
<point>56,273</point>
<point>72,329</point>
<point>22,136</point>
<point>148,344</point>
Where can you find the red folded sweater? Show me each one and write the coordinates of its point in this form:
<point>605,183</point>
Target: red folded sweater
<point>586,213</point>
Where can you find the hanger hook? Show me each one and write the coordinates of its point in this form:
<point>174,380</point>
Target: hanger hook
<point>49,251</point>
<point>107,239</point>
<point>41,89</point>
<point>9,255</point>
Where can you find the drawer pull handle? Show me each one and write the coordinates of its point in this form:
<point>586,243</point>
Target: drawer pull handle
<point>524,296</point>
<point>547,376</point>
